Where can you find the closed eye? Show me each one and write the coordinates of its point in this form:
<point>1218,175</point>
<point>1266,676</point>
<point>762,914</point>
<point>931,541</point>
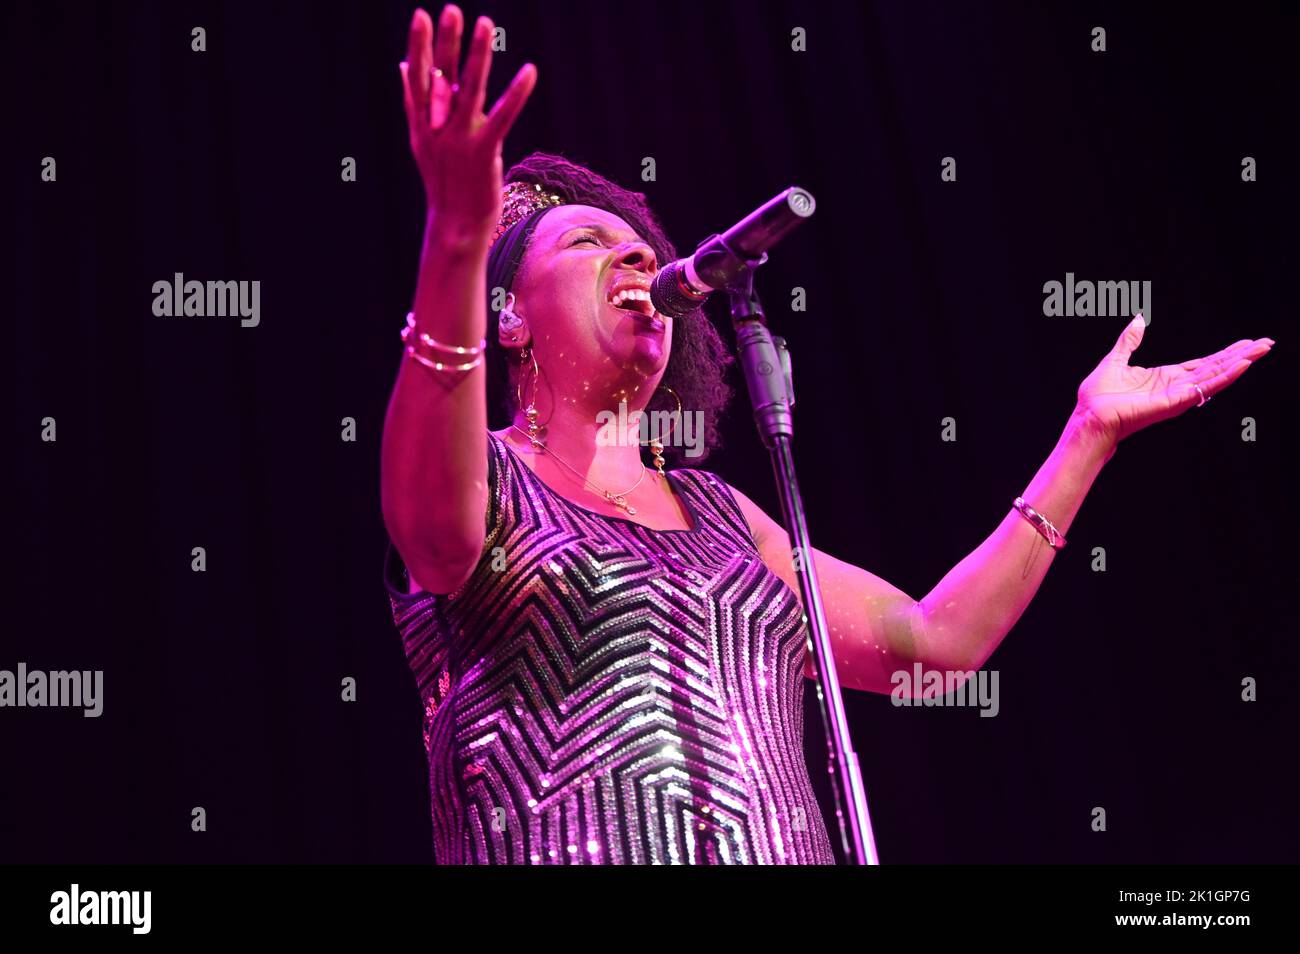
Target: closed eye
<point>584,238</point>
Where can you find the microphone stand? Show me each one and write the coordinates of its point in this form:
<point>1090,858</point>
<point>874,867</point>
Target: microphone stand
<point>766,363</point>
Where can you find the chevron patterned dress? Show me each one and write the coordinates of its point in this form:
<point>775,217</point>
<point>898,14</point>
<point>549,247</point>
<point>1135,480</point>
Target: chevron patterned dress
<point>599,692</point>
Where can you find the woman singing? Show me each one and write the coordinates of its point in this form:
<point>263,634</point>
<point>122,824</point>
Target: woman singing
<point>611,654</point>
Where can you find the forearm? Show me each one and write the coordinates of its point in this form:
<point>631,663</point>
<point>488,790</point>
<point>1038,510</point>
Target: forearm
<point>434,454</point>
<point>963,619</point>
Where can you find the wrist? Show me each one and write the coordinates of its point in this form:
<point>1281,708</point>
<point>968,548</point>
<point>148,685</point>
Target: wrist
<point>1087,433</point>
<point>450,235</point>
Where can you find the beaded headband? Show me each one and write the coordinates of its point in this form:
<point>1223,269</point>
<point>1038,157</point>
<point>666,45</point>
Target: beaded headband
<point>520,200</point>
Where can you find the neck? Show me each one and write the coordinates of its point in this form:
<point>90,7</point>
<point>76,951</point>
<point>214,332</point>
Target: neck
<point>601,444</point>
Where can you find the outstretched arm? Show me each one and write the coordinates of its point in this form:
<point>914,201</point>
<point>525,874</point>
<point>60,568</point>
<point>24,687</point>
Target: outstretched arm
<point>967,614</point>
<point>877,629</point>
<point>433,466</point>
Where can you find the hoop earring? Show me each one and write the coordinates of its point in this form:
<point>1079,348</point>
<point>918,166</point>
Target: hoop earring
<point>656,445</point>
<point>530,412</point>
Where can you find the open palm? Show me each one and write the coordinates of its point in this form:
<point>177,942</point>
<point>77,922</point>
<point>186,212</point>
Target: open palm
<point>1124,398</point>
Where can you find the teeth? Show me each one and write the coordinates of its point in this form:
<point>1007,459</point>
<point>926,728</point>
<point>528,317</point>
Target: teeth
<point>636,294</point>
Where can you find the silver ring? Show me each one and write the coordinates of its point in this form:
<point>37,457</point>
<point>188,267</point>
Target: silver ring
<point>1204,399</point>
<point>435,72</point>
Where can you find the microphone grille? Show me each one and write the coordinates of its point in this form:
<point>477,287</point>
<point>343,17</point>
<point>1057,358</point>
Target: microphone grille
<point>668,294</point>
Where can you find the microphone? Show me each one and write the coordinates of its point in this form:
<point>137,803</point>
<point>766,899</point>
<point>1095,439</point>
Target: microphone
<point>684,284</point>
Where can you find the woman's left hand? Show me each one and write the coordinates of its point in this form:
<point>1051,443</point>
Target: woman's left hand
<point>1121,399</point>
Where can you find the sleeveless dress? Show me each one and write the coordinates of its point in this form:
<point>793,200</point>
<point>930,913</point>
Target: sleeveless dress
<point>599,692</point>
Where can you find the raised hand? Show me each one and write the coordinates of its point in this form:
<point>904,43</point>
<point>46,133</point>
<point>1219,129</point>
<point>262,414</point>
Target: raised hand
<point>456,147</point>
<point>1121,398</point>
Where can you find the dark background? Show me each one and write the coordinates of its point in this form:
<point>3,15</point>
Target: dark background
<point>1118,689</point>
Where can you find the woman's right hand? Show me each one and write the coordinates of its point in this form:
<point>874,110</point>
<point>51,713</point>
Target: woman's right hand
<point>456,147</point>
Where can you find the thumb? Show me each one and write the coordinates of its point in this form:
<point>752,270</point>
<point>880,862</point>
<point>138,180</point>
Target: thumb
<point>1130,338</point>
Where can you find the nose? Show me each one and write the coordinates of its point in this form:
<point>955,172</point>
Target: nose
<point>640,256</point>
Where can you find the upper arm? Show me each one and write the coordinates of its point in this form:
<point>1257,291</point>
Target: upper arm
<point>871,621</point>
<point>434,456</point>
<point>432,565</point>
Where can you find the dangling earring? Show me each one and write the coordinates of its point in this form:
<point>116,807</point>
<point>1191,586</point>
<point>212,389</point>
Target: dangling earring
<point>530,412</point>
<point>656,445</point>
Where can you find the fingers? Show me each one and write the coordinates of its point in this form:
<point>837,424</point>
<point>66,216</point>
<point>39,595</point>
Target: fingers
<point>473,81</point>
<point>1215,383</point>
<point>1129,338</point>
<point>446,62</point>
<point>1226,354</point>
<point>429,98</point>
<point>440,101</point>
<point>407,102</point>
<point>418,57</point>
<point>446,56</point>
<point>1215,375</point>
<point>508,106</point>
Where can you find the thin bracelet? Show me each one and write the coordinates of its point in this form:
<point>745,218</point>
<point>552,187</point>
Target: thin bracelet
<point>432,363</point>
<point>1040,523</point>
<point>430,342</point>
<point>439,366</point>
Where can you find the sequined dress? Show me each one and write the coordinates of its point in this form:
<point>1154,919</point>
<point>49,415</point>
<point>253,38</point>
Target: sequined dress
<point>599,692</point>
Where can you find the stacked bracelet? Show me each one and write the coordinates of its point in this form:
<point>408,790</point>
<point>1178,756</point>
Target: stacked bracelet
<point>428,351</point>
<point>1040,523</point>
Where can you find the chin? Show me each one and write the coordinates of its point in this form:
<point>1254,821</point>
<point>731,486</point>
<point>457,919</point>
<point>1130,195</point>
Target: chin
<point>647,353</point>
<point>648,357</point>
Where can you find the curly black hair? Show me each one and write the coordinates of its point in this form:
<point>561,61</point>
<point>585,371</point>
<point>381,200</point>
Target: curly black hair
<point>698,360</point>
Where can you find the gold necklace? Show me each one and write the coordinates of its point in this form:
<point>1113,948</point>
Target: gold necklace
<point>618,500</point>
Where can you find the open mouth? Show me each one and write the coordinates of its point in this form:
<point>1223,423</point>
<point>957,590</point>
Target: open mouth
<point>635,300</point>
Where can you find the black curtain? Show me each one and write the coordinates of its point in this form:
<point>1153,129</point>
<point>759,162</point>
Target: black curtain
<point>1119,689</point>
